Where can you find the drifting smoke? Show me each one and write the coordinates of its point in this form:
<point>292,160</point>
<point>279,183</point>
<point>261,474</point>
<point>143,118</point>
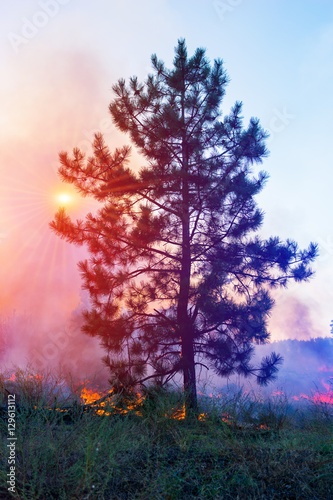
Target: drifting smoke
<point>39,279</point>
<point>307,355</point>
<point>308,364</point>
<point>293,319</point>
<point>24,340</point>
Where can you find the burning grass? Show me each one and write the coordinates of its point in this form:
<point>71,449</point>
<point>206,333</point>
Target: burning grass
<point>75,442</point>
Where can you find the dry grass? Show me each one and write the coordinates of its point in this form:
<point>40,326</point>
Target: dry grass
<point>244,448</point>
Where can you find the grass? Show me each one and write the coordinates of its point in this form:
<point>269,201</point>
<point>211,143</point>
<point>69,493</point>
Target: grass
<point>244,448</point>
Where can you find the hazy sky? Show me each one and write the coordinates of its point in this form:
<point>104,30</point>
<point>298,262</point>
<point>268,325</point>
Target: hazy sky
<point>59,60</point>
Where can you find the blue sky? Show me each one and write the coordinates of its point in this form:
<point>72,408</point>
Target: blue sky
<point>60,59</point>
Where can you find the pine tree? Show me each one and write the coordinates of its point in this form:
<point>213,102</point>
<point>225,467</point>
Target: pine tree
<point>177,276</point>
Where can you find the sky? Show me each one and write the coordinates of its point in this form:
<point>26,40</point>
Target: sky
<point>59,60</point>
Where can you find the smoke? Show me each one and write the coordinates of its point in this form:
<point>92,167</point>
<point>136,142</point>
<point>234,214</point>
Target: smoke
<point>40,300</point>
<point>29,341</point>
<point>307,353</point>
<point>307,363</point>
<point>26,338</point>
<point>292,318</point>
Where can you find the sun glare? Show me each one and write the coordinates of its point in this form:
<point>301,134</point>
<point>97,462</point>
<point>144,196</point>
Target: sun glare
<point>64,198</point>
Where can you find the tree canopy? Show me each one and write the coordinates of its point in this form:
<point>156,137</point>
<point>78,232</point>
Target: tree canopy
<point>178,275</point>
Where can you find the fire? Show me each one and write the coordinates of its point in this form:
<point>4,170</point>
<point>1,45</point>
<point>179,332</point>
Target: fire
<point>278,393</point>
<point>107,402</point>
<point>227,418</point>
<point>203,416</point>
<point>324,398</point>
<point>88,396</point>
<point>179,414</point>
<point>318,397</point>
<point>13,378</point>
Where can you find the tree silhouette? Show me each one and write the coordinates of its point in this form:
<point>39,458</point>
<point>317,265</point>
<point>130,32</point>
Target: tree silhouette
<point>176,275</point>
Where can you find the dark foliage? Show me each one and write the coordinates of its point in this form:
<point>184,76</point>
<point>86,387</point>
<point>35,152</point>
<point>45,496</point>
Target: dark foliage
<point>176,275</point>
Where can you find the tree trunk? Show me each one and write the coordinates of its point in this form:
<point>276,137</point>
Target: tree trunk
<point>184,322</point>
<point>191,402</point>
<point>185,325</point>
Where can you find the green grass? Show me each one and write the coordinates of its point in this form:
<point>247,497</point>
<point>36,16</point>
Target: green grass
<point>263,449</point>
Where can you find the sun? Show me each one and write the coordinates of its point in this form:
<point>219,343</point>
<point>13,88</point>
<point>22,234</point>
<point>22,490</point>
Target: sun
<point>64,199</point>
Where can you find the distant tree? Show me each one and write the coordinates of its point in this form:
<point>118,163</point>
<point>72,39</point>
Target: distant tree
<point>176,275</point>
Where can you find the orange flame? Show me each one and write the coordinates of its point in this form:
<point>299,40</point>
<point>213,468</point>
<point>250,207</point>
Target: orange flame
<point>318,397</point>
<point>227,418</point>
<point>179,414</point>
<point>88,396</point>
